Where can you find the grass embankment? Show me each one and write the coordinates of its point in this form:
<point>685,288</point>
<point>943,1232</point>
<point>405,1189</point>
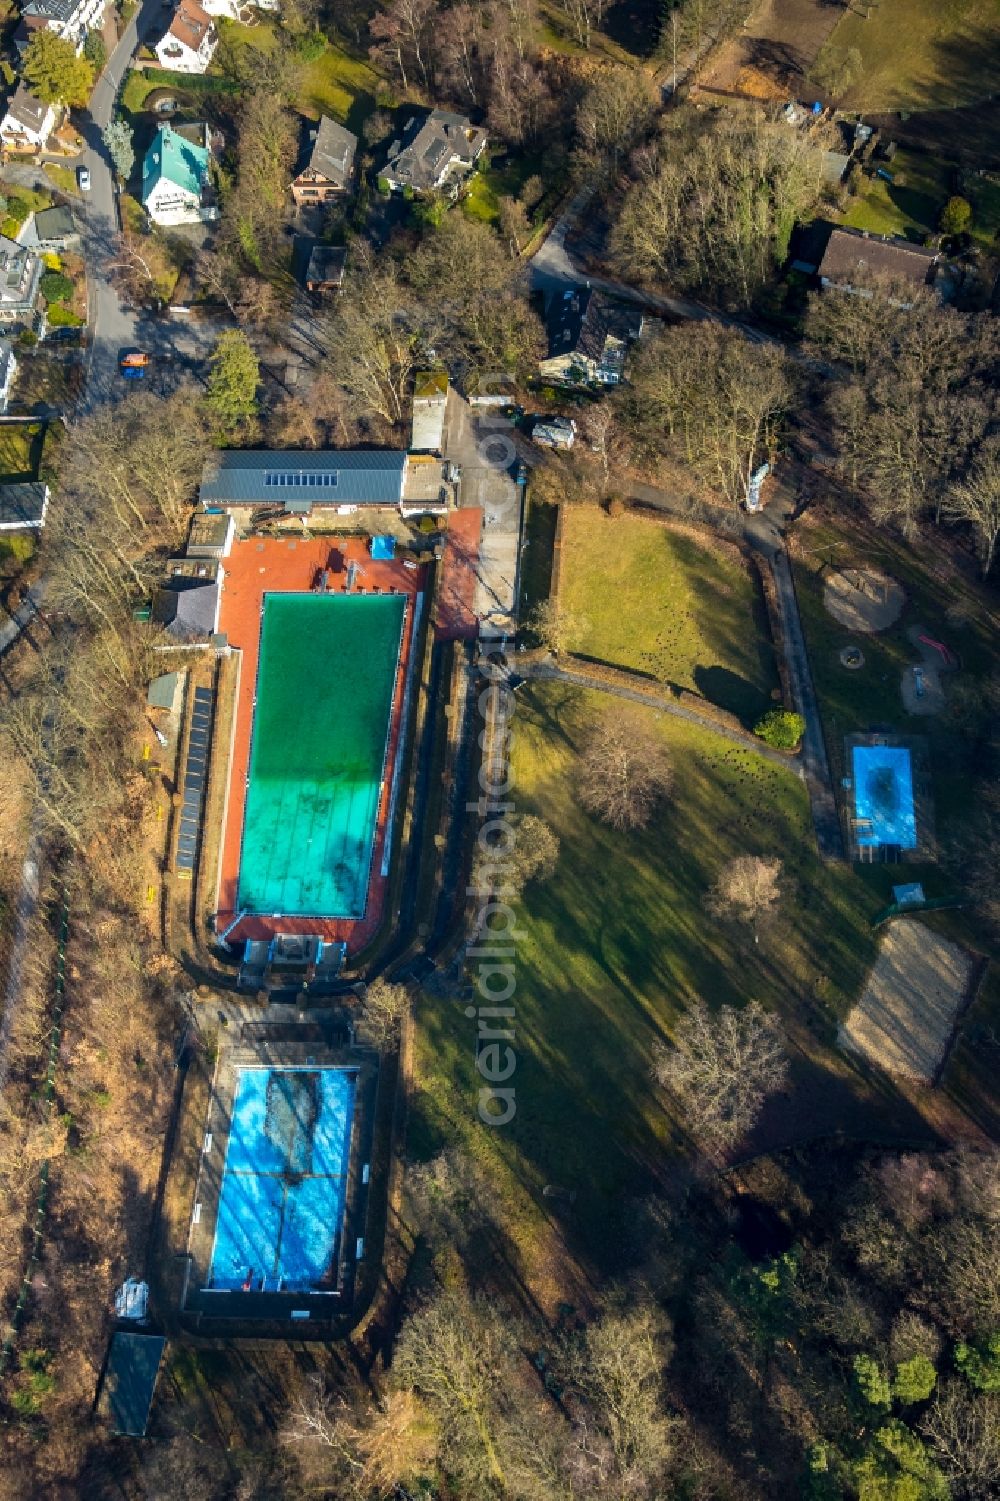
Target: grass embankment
<point>661,602</point>
<point>613,948</point>
<point>920,54</point>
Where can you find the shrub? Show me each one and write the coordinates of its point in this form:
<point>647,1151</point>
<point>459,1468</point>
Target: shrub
<point>311,46</point>
<point>51,260</point>
<point>56,287</point>
<point>62,317</point>
<point>95,51</point>
<point>956,216</point>
<point>383,186</point>
<point>27,338</point>
<point>781,729</point>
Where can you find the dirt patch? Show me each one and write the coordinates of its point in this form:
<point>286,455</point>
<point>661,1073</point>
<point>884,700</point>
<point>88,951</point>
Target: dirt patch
<point>863,599</point>
<point>905,1020</point>
<point>773,53</point>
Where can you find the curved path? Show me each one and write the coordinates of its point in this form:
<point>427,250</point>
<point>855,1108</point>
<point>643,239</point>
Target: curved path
<point>580,678</point>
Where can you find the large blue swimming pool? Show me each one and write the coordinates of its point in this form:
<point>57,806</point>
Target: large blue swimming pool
<point>883,795</point>
<point>281,1202</point>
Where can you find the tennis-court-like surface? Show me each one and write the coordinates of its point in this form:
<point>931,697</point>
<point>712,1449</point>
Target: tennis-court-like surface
<point>281,1201</point>
<point>325,684</point>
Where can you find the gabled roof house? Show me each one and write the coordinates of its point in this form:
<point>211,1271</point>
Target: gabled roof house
<point>329,165</point>
<point>435,152</point>
<point>589,337</point>
<point>175,180</point>
<point>27,123</point>
<point>189,43</point>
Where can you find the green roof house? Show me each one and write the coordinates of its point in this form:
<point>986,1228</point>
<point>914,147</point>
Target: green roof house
<point>175,183</point>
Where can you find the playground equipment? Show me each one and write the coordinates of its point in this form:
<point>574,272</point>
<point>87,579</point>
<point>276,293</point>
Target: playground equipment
<point>947,655</point>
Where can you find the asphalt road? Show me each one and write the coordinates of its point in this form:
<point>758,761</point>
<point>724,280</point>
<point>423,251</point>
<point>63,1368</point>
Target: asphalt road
<point>114,327</point>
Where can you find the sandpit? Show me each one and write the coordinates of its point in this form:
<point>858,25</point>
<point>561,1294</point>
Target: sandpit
<point>863,599</point>
<point>905,1019</point>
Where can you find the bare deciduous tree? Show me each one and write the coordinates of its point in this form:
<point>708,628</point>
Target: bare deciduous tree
<point>977,501</point>
<point>554,625</point>
<point>382,1012</point>
<point>722,1068</point>
<point>528,852</point>
<point>624,771</point>
<point>963,1431</point>
<point>748,889</point>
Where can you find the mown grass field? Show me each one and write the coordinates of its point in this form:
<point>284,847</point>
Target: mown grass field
<point>614,947</point>
<point>665,604</point>
<point>920,54</point>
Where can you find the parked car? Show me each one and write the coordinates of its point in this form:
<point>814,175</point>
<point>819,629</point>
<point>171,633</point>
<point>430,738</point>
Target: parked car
<point>83,179</point>
<point>132,364</point>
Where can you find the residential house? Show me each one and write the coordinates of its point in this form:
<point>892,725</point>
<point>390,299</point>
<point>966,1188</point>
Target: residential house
<point>325,271</point>
<point>52,229</point>
<point>588,338</point>
<point>20,273</point>
<point>175,180</point>
<point>71,19</point>
<point>23,507</point>
<point>554,432</point>
<point>8,370</point>
<point>28,122</point>
<point>326,173</point>
<point>853,258</point>
<point>190,40</point>
<point>297,481</point>
<point>435,152</point>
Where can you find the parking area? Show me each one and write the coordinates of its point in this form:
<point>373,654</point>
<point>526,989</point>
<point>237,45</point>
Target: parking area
<point>485,445</point>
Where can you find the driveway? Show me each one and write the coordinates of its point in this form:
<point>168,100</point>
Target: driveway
<point>484,444</point>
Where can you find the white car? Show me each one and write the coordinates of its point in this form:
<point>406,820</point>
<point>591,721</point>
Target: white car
<point>83,179</point>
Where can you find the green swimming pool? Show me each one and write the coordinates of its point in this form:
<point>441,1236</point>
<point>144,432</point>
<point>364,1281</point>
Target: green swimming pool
<point>325,683</point>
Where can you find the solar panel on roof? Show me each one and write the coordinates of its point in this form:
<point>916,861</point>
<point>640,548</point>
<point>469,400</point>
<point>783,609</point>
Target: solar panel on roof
<point>204,694</point>
<point>185,862</point>
<point>194,783</point>
<point>201,719</point>
<point>196,763</point>
<point>189,828</point>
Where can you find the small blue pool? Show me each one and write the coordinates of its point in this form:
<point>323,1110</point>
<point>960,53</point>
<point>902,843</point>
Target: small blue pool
<point>281,1201</point>
<point>883,796</point>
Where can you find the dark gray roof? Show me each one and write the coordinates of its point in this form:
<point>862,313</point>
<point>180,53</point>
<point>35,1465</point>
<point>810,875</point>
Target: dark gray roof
<point>581,321</point>
<point>326,264</point>
<point>417,159</point>
<point>254,477</point>
<point>188,607</point>
<point>54,224</point>
<point>331,152</point>
<point>130,1380</point>
<point>23,505</point>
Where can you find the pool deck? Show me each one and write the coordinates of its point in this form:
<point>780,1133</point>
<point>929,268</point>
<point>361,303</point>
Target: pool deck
<point>260,565</point>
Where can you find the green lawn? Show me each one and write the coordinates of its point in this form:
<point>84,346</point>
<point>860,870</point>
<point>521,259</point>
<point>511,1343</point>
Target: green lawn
<point>910,206</point>
<point>20,451</point>
<point>669,606</point>
<point>335,84</point>
<point>605,963</point>
<point>920,54</point>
